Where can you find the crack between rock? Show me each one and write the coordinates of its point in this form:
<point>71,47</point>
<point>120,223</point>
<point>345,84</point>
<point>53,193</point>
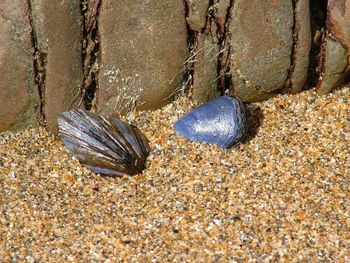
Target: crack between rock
<point>224,68</point>
<point>218,36</point>
<point>318,11</point>
<point>190,60</point>
<point>213,31</point>
<point>39,67</point>
<point>209,16</point>
<point>288,86</point>
<point>90,11</point>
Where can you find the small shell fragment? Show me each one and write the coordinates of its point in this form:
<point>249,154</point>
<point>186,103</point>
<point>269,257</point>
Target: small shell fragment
<point>106,146</point>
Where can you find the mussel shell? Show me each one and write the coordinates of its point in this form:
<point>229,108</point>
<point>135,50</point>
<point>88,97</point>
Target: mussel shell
<point>106,146</point>
<point>221,121</point>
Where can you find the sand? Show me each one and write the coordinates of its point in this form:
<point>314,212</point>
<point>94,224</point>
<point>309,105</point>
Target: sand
<point>283,194</point>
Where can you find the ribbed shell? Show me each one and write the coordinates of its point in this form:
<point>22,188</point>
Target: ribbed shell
<point>106,146</point>
<point>221,121</point>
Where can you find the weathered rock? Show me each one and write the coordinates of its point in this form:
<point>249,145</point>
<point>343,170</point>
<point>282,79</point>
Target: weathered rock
<point>261,42</point>
<point>208,47</point>
<point>205,78</point>
<point>143,48</point>
<point>223,19</point>
<point>197,14</point>
<point>335,59</point>
<point>302,46</point>
<point>338,21</point>
<point>58,28</point>
<point>18,95</point>
<point>90,52</point>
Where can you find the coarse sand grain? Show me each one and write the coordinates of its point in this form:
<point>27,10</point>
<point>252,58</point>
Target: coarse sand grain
<point>283,194</point>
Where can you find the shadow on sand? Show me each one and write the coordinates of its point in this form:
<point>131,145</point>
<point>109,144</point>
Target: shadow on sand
<point>255,118</point>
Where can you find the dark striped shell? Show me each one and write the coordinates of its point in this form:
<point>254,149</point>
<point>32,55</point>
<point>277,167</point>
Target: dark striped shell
<point>106,146</point>
<point>221,121</point>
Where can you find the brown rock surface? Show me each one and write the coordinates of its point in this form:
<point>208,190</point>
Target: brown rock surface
<point>18,96</point>
<point>261,40</point>
<point>59,36</point>
<point>221,11</point>
<point>208,47</point>
<point>205,78</point>
<point>335,59</point>
<point>197,14</point>
<point>302,45</point>
<point>143,47</point>
<point>338,21</point>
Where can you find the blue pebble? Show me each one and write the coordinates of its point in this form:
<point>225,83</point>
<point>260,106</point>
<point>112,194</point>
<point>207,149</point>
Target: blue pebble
<point>221,121</point>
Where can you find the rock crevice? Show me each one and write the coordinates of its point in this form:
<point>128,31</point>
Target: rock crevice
<point>90,10</point>
<point>224,68</point>
<point>39,66</point>
<point>209,47</point>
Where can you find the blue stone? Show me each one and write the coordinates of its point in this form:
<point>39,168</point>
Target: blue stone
<point>221,121</point>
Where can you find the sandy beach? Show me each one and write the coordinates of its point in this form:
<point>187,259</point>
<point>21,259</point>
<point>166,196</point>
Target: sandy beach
<point>283,194</point>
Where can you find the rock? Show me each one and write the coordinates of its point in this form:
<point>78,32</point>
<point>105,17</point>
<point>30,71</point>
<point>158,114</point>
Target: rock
<point>205,84</point>
<point>208,22</point>
<point>221,10</point>
<point>58,28</point>
<point>197,14</point>
<point>18,95</point>
<point>335,58</point>
<point>143,48</point>
<point>261,42</point>
<point>302,46</point>
<point>338,21</point>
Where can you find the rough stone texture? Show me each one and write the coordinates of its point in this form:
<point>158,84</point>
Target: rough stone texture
<point>90,52</point>
<point>143,47</point>
<point>302,46</point>
<point>209,24</point>
<point>261,41</point>
<point>18,96</point>
<point>197,14</point>
<point>59,36</point>
<point>223,20</point>
<point>335,58</point>
<point>221,11</point>
<point>205,78</point>
<point>338,21</point>
<point>334,65</point>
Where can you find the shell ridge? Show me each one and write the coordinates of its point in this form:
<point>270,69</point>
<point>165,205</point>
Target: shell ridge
<point>130,135</point>
<point>97,126</point>
<point>102,130</point>
<point>141,142</point>
<point>91,139</point>
<point>89,150</point>
<point>71,130</point>
<point>101,144</point>
<point>130,154</point>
